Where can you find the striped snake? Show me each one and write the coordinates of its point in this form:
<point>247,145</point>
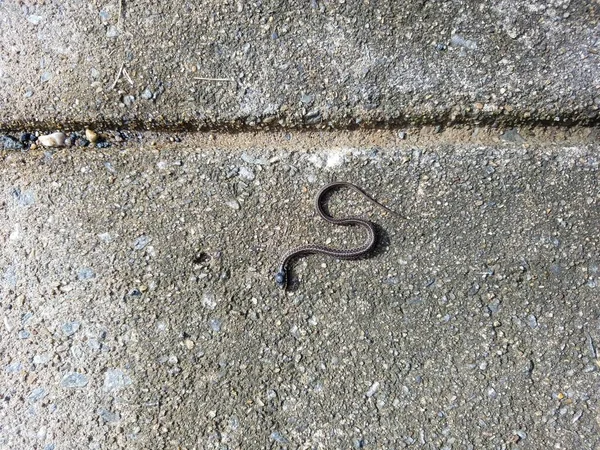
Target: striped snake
<point>281,278</point>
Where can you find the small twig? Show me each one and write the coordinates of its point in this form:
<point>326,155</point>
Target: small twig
<point>120,12</point>
<point>118,76</point>
<point>213,79</point>
<point>127,76</point>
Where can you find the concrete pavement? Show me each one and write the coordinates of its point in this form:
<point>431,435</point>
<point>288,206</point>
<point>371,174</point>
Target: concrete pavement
<point>139,308</point>
<point>254,65</point>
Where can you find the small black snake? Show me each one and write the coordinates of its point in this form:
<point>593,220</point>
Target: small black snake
<point>281,278</point>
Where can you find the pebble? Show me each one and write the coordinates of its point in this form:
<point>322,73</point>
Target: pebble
<point>108,416</point>
<point>215,325</point>
<point>278,437</point>
<point>115,380</point>
<point>402,135</point>
<point>141,242</point>
<point>189,344</point>
<point>512,135</point>
<point>373,389</point>
<point>74,380</point>
<point>85,273</point>
<point>37,394</point>
<point>10,143</point>
<point>459,41</point>
<point>70,328</point>
<point>532,321</point>
<point>112,32</point>
<point>233,204</point>
<point>246,173</point>
<point>307,99</point>
<point>24,334</point>
<point>209,301</point>
<point>23,198</point>
<point>91,135</point>
<point>128,100</point>
<point>53,140</point>
<point>147,94</point>
<point>254,160</point>
<point>13,367</point>
<point>103,144</point>
<point>41,359</point>
<point>82,142</point>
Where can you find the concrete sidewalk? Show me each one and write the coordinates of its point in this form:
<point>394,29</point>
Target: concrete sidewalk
<point>234,64</point>
<point>139,308</point>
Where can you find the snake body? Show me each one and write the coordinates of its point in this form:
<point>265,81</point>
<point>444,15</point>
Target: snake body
<point>281,277</point>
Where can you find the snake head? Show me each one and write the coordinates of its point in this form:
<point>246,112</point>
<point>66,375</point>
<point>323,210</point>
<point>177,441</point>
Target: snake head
<point>281,279</point>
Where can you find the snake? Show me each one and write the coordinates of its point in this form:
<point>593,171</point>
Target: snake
<point>281,278</point>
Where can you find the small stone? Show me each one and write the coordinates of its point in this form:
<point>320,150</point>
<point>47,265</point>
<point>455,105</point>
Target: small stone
<point>215,325</point>
<point>70,328</point>
<point>53,140</point>
<point>512,135</point>
<point>112,32</point>
<point>28,94</point>
<point>278,437</point>
<point>209,301</point>
<point>128,100</point>
<point>373,389</point>
<point>402,135</point>
<point>74,380</point>
<point>115,380</point>
<point>141,242</point>
<point>108,416</point>
<point>23,198</point>
<point>147,94</point>
<point>189,344</point>
<point>532,321</point>
<point>46,76</point>
<point>36,394</point>
<point>10,143</point>
<point>103,144</point>
<point>85,273</point>
<point>233,204</point>
<point>41,359</point>
<point>307,99</point>
<point>24,334</point>
<point>82,142</point>
<point>91,135</point>
<point>246,173</point>
<point>13,367</point>
<point>440,47</point>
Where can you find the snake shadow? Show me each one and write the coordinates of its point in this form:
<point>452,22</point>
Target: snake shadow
<point>382,242</point>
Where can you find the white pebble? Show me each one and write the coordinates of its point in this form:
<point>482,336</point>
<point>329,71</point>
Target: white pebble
<point>373,389</point>
<point>53,140</point>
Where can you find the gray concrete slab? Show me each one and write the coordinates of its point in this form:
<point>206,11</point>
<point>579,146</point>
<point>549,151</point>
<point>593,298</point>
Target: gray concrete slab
<point>233,64</point>
<point>139,310</point>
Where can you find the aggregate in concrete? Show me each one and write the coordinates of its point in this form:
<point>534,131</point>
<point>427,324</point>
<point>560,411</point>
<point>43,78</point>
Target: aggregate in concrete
<point>319,63</point>
<point>139,309</point>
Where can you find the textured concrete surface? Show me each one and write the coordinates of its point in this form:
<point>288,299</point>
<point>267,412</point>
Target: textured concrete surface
<point>139,310</point>
<point>122,64</point>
